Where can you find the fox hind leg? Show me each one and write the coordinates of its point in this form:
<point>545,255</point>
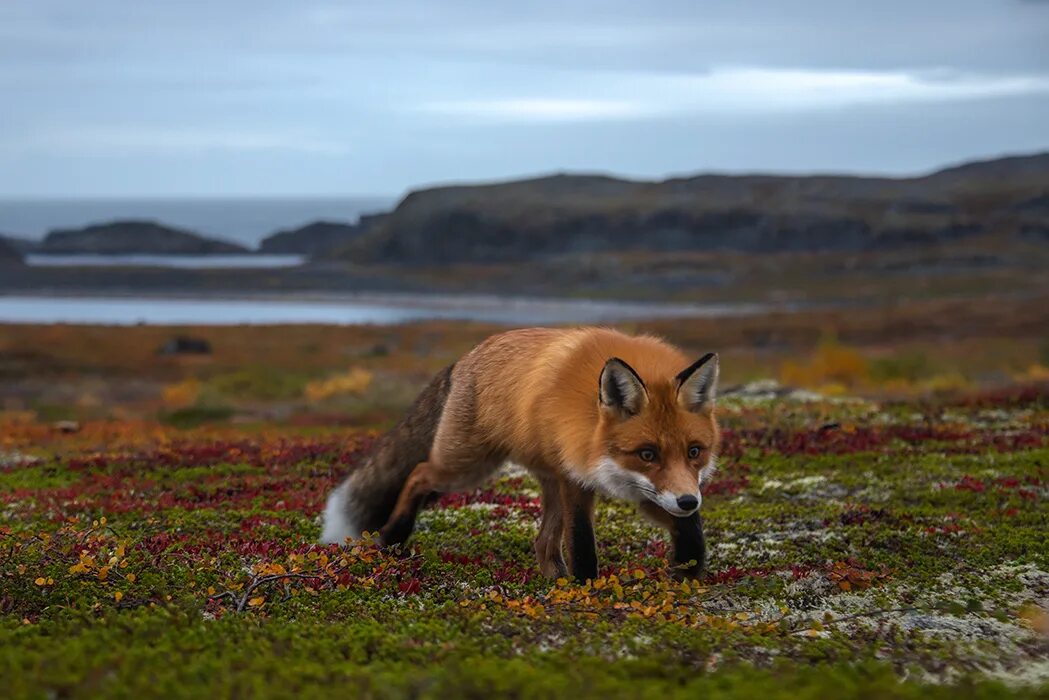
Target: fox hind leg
<point>548,541</point>
<point>426,481</point>
<point>413,496</point>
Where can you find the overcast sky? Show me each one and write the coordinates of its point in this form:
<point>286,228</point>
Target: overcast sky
<point>244,97</point>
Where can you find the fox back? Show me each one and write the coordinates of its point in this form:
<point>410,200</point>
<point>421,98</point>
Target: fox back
<point>629,415</point>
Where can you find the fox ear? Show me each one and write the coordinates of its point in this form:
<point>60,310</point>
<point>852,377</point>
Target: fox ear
<point>622,391</point>
<point>697,384</point>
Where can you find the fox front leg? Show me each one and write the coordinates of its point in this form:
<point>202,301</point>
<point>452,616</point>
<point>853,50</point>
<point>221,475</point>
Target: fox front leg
<point>690,547</point>
<point>578,531</point>
<point>686,535</point>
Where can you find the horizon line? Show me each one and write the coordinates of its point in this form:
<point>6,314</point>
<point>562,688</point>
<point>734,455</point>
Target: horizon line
<point>454,182</point>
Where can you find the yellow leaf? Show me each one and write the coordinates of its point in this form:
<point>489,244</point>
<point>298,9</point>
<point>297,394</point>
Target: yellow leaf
<point>118,596</point>
<point>131,578</point>
<point>211,590</point>
<point>103,573</point>
<point>41,581</point>
<point>256,602</point>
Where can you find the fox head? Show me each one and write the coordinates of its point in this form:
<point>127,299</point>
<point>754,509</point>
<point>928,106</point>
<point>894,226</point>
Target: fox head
<point>658,440</point>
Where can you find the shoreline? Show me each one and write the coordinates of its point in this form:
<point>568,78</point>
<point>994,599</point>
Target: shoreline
<point>383,307</point>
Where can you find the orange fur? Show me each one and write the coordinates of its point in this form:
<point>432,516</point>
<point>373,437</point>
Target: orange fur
<point>537,391</point>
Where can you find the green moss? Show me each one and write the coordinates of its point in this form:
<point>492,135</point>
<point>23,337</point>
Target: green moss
<point>258,383</point>
<point>197,416</point>
<point>170,654</point>
<point>45,476</point>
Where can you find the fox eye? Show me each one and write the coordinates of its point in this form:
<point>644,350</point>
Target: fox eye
<point>647,454</point>
<point>694,451</point>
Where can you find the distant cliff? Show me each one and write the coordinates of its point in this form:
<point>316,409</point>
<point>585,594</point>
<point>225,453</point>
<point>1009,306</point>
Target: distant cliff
<point>565,214</point>
<point>133,237</point>
<point>318,238</point>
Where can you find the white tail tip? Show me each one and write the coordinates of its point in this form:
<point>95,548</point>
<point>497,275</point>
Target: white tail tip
<point>338,526</point>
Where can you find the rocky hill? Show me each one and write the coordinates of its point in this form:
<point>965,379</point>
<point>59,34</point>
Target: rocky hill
<point>133,237</point>
<point>318,238</point>
<point>565,214</point>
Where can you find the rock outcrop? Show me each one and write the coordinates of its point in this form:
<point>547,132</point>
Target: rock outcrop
<point>23,246</point>
<point>570,214</point>
<point>319,238</point>
<point>133,237</point>
<point>8,254</point>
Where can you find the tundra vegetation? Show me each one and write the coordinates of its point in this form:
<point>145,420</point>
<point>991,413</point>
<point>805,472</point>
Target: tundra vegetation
<point>880,533</point>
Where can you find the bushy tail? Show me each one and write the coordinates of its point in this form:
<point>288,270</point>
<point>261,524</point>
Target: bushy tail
<point>365,500</point>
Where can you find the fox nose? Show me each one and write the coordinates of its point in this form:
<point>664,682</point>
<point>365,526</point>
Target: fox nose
<point>687,502</point>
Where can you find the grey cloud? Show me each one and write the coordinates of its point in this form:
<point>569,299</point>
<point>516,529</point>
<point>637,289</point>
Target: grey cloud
<point>269,96</point>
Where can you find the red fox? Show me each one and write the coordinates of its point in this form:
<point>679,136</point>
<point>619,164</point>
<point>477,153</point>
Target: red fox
<point>586,410</point>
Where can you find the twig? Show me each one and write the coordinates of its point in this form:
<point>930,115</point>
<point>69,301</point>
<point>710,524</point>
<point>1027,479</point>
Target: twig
<point>256,582</point>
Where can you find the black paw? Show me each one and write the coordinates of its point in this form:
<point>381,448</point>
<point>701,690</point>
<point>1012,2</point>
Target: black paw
<point>686,571</point>
<point>396,532</point>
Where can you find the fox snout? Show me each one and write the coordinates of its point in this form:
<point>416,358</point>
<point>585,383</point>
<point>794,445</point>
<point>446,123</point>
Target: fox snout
<point>687,502</point>
<point>679,493</point>
<point>678,505</point>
